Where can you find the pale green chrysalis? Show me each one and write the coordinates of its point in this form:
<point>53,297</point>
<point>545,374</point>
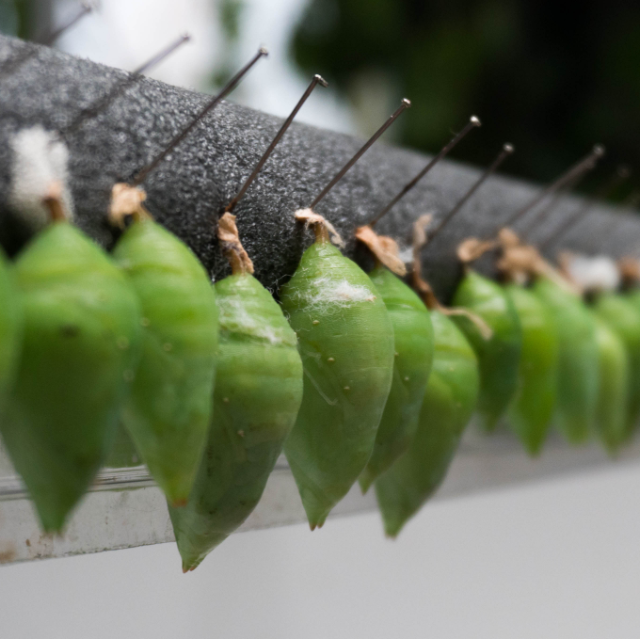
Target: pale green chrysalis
<point>169,409</point>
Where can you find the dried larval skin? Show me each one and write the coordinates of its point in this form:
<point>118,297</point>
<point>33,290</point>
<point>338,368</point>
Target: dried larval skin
<point>448,405</point>
<point>80,346</point>
<point>257,396</point>
<point>347,349</point>
<point>169,409</point>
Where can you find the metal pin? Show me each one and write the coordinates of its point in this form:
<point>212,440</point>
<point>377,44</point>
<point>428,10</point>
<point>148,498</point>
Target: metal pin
<point>543,214</point>
<point>102,103</point>
<point>405,104</point>
<point>622,173</point>
<point>317,79</point>
<point>50,38</point>
<point>473,123</point>
<point>142,174</point>
<point>505,152</point>
<point>47,39</point>
<point>585,164</point>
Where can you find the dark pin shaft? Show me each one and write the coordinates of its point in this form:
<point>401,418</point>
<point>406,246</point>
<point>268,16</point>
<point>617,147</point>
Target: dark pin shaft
<point>265,156</point>
<point>142,174</point>
<point>586,163</point>
<point>48,39</point>
<point>473,123</point>
<point>580,213</point>
<point>102,103</point>
<point>506,151</point>
<point>404,105</point>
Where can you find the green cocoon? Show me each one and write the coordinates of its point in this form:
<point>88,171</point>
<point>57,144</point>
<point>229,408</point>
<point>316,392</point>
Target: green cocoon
<point>169,409</point>
<point>413,338</point>
<point>10,329</point>
<point>498,356</point>
<point>347,349</point>
<point>533,406</point>
<point>80,347</point>
<point>613,387</point>
<point>577,360</point>
<point>623,316</point>
<point>449,402</point>
<point>257,397</point>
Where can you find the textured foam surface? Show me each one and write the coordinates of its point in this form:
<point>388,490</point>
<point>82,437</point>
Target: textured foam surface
<point>190,187</point>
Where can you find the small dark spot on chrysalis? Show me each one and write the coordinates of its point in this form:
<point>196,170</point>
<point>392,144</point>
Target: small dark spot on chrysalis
<point>69,330</point>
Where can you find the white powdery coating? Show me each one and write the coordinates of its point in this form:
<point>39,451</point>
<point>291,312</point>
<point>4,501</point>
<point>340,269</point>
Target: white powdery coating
<point>325,292</point>
<point>40,159</point>
<point>234,317</point>
<point>595,273</point>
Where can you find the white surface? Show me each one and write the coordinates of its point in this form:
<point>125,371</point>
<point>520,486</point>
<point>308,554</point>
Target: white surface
<point>556,560</point>
<point>112,518</point>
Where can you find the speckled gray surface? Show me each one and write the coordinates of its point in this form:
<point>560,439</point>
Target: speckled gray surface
<point>189,189</point>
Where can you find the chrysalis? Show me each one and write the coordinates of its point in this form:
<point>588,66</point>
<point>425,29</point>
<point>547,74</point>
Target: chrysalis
<point>169,408</point>
<point>613,387</point>
<point>577,360</point>
<point>533,406</point>
<point>413,334</point>
<point>256,400</point>
<point>531,411</point>
<point>413,339</point>
<point>624,318</point>
<point>10,329</point>
<point>347,348</point>
<point>80,348</point>
<point>499,356</point>
<point>449,402</point>
<point>257,396</point>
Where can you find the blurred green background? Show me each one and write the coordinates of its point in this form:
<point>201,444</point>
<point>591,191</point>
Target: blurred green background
<point>551,77</point>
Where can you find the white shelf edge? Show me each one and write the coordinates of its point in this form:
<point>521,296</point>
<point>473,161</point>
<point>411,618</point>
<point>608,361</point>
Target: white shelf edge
<point>117,515</point>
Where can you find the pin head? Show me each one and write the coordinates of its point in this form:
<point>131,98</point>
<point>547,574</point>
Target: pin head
<point>508,148</point>
<point>320,80</point>
<point>475,121</point>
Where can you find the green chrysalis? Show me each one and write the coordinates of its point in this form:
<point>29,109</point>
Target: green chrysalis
<point>413,338</point>
<point>533,406</point>
<point>498,356</point>
<point>169,409</point>
<point>10,329</point>
<point>347,349</point>
<point>257,397</point>
<point>613,387</point>
<point>80,348</point>
<point>624,318</point>
<point>577,360</point>
<point>449,402</point>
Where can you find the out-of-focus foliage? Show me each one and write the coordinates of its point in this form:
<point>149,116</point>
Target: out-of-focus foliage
<point>552,77</point>
<point>230,17</point>
<point>20,17</point>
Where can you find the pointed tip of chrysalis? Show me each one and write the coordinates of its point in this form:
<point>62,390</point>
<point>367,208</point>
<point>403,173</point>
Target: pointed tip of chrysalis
<point>365,481</point>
